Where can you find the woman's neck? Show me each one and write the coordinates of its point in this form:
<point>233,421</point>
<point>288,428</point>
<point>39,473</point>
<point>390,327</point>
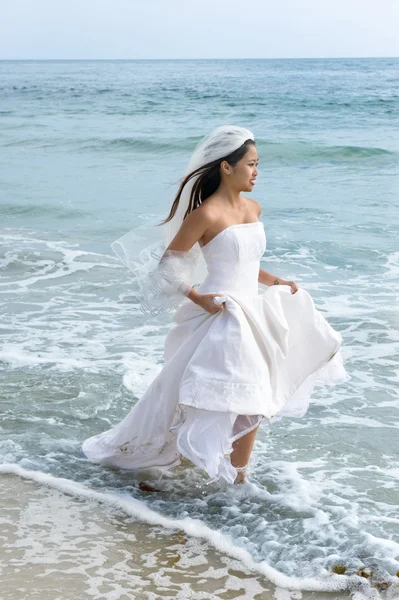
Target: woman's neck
<point>231,196</point>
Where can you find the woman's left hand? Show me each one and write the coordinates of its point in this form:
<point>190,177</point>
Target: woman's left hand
<point>294,287</point>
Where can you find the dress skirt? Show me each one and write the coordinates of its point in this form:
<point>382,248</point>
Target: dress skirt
<point>223,373</point>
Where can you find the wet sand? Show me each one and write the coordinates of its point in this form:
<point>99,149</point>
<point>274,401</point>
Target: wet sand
<point>56,546</point>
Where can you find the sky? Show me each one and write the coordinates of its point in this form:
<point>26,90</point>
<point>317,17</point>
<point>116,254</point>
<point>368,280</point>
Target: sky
<point>138,29</point>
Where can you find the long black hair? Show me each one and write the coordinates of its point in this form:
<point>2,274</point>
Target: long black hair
<point>208,181</point>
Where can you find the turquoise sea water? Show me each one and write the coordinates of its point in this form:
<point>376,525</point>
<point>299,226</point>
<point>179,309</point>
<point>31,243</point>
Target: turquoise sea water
<point>88,150</point>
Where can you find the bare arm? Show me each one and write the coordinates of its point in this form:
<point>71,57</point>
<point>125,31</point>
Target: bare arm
<point>191,230</point>
<point>269,279</point>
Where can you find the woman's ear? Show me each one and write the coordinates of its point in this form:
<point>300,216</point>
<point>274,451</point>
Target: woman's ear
<point>225,167</point>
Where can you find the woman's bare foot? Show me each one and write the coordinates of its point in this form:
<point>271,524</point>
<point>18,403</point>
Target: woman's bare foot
<point>239,458</point>
<point>146,487</point>
<point>241,474</point>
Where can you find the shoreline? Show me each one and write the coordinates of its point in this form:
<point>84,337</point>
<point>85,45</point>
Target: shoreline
<point>50,534</point>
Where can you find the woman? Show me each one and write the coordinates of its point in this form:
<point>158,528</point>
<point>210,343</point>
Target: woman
<point>234,356</point>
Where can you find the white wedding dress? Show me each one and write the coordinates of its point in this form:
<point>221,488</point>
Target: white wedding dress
<point>223,373</point>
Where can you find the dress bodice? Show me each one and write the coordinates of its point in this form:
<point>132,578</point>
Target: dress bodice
<point>233,259</point>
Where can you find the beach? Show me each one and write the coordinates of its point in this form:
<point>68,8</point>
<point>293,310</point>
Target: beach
<point>91,149</point>
<point>60,545</point>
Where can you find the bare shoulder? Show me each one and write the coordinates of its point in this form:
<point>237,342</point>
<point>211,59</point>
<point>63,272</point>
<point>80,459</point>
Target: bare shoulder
<point>255,206</point>
<point>201,218</point>
<point>192,229</point>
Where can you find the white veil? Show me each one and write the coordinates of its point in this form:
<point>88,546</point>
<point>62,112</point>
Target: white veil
<point>164,276</point>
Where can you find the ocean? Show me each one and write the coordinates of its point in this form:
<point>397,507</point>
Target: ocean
<point>91,149</point>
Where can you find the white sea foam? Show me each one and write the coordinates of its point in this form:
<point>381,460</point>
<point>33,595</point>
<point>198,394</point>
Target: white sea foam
<point>77,342</point>
<point>192,527</point>
<point>392,266</point>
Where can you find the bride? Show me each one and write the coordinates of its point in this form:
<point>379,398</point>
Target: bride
<point>236,355</point>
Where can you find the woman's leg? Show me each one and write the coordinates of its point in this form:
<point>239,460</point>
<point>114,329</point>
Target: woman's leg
<point>242,449</point>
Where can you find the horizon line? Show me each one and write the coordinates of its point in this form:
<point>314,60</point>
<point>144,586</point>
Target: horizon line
<point>213,58</point>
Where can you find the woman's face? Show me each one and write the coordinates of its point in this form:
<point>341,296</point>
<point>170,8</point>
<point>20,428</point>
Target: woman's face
<point>242,176</point>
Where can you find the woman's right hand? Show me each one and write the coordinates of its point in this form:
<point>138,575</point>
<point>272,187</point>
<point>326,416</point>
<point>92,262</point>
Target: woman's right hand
<point>207,303</point>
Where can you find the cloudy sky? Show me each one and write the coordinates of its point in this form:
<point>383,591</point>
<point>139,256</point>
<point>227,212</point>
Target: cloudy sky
<point>51,29</point>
